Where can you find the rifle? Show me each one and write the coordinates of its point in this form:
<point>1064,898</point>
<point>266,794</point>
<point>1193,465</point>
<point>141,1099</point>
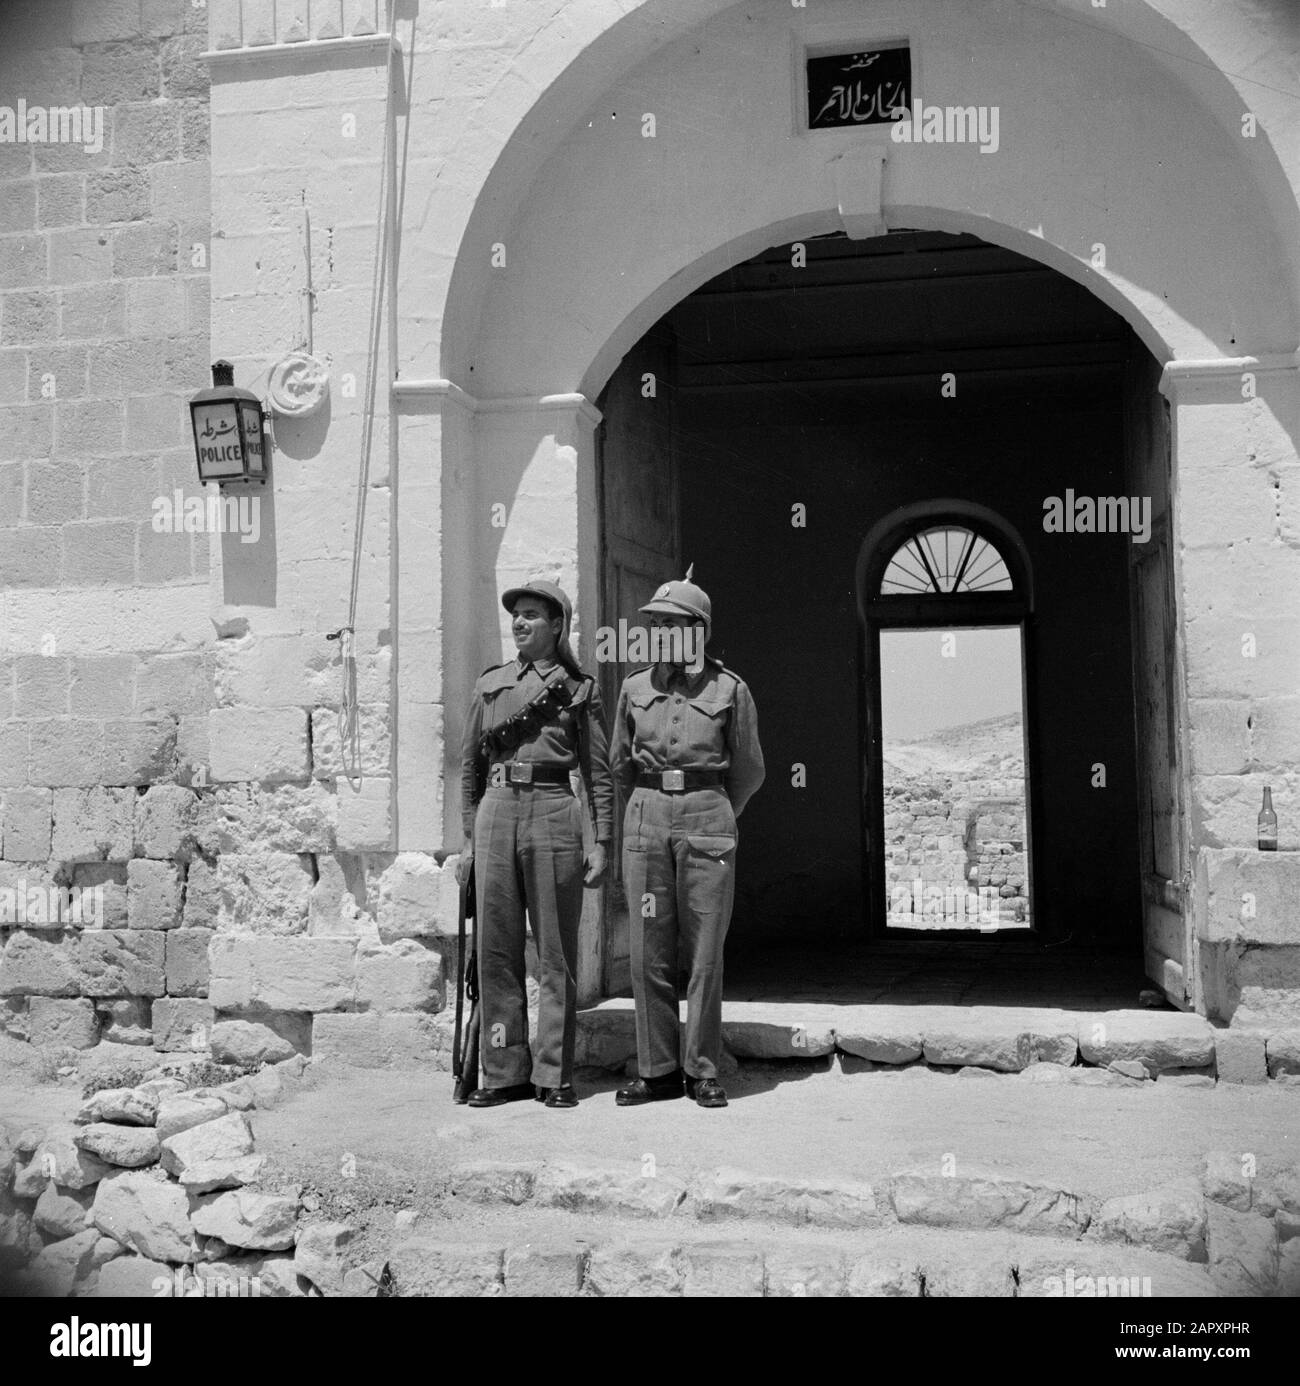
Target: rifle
<point>464,1063</point>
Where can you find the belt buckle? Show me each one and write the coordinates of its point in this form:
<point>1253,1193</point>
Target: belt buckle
<point>674,779</point>
<point>520,773</point>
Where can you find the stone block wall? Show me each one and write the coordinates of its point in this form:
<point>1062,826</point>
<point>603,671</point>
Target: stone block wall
<point>105,674</point>
<point>193,853</point>
<point>995,847</point>
<point>955,836</point>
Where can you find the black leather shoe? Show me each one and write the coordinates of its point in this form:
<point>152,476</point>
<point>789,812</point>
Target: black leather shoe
<point>563,1096</point>
<point>707,1092</point>
<point>497,1097</point>
<point>661,1089</point>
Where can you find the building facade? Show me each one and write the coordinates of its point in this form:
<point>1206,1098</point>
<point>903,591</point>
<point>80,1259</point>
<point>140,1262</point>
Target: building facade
<point>597,296</point>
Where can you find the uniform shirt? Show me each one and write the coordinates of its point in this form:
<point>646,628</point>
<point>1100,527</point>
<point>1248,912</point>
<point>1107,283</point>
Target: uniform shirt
<point>502,691</point>
<point>669,719</point>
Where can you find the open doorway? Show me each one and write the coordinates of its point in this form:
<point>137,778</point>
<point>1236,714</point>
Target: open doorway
<point>803,417</point>
<point>947,802</point>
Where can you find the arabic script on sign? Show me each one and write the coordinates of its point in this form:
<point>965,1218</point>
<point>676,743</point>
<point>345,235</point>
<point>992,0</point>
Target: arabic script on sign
<point>859,103</point>
<point>862,88</point>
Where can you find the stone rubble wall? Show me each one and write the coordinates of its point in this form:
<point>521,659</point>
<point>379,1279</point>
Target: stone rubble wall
<point>156,1192</point>
<point>231,922</point>
<point>956,835</point>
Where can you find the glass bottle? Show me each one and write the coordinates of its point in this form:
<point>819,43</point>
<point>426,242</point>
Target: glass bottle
<point>1267,824</point>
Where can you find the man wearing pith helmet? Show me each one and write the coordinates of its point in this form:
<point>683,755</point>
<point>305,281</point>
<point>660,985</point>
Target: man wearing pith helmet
<point>532,721</point>
<point>685,754</point>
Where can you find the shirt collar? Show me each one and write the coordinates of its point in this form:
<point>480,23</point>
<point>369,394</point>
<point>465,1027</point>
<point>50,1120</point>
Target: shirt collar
<point>543,666</point>
<point>667,673</point>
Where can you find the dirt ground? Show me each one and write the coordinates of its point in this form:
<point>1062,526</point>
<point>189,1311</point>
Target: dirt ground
<point>364,1144</point>
<point>400,1130</point>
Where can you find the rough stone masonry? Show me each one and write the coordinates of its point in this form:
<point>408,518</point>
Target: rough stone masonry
<point>230,920</point>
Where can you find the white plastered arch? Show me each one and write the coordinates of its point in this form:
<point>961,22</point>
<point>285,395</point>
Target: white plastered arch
<point>1129,141</point>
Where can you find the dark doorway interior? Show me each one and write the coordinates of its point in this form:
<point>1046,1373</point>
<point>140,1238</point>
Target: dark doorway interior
<point>789,410</point>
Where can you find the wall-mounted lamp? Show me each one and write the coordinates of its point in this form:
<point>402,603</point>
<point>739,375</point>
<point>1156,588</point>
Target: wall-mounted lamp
<point>229,440</point>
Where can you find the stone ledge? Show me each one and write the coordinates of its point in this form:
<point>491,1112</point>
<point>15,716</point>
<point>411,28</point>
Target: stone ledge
<point>1006,1039</point>
<point>345,46</point>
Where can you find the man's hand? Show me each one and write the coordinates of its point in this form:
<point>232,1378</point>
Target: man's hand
<point>594,861</point>
<point>465,865</point>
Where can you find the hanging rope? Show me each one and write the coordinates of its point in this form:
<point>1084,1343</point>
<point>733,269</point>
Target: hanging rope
<point>349,722</point>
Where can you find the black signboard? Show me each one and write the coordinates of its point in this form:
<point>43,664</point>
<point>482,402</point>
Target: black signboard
<point>858,88</point>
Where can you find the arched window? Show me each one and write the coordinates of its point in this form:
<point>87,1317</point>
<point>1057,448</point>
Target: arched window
<point>945,559</point>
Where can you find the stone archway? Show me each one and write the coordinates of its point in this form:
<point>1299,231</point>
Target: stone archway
<point>601,229</point>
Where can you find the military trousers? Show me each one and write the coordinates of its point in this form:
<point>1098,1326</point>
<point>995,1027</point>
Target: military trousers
<point>528,857</point>
<point>679,874</point>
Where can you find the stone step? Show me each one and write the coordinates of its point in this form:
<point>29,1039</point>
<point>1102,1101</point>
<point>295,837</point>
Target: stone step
<point>530,1256</point>
<point>1006,1039</point>
<point>1181,1219</point>
<point>644,1228</point>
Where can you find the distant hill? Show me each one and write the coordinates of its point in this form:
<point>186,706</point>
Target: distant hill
<point>992,747</point>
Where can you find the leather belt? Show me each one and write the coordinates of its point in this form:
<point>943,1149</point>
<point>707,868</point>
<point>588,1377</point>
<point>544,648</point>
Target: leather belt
<point>517,772</point>
<point>677,781</point>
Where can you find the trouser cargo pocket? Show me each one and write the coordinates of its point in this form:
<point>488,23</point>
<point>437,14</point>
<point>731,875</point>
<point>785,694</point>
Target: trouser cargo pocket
<point>715,845</point>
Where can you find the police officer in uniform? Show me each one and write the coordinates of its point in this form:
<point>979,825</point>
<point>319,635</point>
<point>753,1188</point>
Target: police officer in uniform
<point>685,754</point>
<point>532,721</point>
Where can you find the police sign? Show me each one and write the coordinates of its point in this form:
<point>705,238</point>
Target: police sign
<point>227,426</point>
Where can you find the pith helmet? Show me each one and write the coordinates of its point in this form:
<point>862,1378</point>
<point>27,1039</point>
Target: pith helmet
<point>553,592</point>
<point>683,599</point>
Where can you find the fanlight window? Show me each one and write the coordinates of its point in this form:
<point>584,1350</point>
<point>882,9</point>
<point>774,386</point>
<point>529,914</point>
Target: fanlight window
<point>944,559</point>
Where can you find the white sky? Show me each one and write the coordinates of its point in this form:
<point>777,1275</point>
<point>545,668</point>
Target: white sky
<point>922,691</point>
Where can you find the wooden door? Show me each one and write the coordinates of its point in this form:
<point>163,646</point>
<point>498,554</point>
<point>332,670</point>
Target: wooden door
<point>1155,652</point>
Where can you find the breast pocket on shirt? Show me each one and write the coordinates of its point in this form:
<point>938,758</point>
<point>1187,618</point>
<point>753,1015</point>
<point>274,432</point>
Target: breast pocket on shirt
<point>706,724</point>
<point>495,708</point>
<point>646,719</point>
